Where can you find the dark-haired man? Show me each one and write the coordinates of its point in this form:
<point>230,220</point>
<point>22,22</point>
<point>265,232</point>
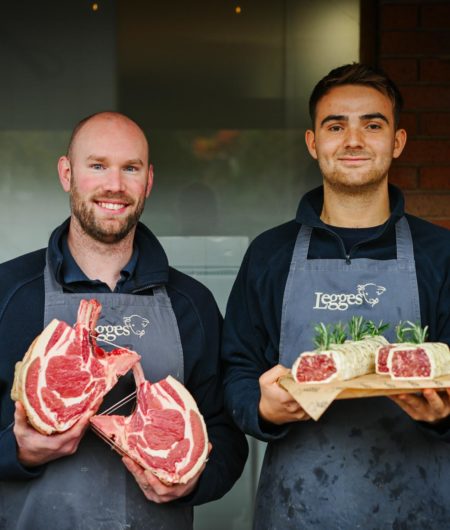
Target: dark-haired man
<point>373,463</point>
<point>72,481</point>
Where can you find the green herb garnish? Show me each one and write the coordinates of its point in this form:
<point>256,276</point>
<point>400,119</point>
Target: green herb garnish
<point>339,334</point>
<point>418,335</point>
<point>323,336</point>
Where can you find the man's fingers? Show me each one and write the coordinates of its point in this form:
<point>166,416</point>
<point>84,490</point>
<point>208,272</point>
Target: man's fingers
<point>272,375</point>
<point>434,400</point>
<point>20,416</point>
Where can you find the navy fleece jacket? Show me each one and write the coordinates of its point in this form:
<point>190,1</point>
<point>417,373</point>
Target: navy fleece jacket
<point>199,322</point>
<point>253,319</point>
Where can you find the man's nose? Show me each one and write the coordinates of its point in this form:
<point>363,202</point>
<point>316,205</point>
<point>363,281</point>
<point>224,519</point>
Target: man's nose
<point>115,180</point>
<point>354,137</point>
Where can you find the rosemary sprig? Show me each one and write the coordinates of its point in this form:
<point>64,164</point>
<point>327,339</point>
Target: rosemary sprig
<point>373,330</point>
<point>323,336</point>
<point>418,334</point>
<point>356,328</point>
<point>339,334</point>
<point>401,332</point>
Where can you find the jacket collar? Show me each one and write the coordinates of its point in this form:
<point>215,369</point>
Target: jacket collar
<point>310,207</point>
<point>151,269</point>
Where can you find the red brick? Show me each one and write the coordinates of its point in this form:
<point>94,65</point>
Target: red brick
<point>435,177</point>
<point>426,152</point>
<point>435,70</point>
<point>405,177</point>
<point>415,42</point>
<point>394,16</point>
<point>434,123</point>
<point>428,205</point>
<point>435,15</point>
<point>426,97</point>
<point>401,70</point>
<point>408,121</point>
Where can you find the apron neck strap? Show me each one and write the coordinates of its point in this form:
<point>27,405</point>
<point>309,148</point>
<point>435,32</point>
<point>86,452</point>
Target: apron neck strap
<point>405,250</point>
<point>52,286</point>
<point>50,283</point>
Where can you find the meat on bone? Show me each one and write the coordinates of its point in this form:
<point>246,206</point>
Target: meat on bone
<point>65,374</point>
<point>166,433</point>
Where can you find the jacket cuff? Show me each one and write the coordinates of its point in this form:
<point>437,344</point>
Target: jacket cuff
<point>10,467</point>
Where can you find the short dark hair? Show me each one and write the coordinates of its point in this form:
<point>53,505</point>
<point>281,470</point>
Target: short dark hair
<point>357,74</point>
<point>84,121</point>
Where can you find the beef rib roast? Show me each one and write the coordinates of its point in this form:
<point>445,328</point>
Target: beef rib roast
<point>166,433</point>
<point>64,373</point>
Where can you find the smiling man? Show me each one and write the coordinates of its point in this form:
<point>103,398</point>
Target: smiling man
<point>72,480</point>
<point>351,251</point>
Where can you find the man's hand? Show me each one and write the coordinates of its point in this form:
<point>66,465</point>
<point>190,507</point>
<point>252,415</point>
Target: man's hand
<point>276,405</point>
<point>34,448</point>
<point>431,406</point>
<point>154,489</point>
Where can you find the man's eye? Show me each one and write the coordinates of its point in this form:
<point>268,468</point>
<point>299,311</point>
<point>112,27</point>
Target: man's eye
<point>335,128</point>
<point>97,166</point>
<point>374,126</point>
<point>131,169</point>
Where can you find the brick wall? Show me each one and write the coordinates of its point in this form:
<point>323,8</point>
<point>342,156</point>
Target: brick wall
<point>413,47</point>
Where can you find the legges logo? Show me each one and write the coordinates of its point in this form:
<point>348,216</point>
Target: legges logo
<point>133,324</point>
<point>368,293</point>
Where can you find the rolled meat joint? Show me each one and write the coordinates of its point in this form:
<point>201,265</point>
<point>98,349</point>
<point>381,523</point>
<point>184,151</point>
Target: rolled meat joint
<point>166,433</point>
<point>65,374</point>
<point>419,361</point>
<point>403,331</point>
<point>412,357</point>
<point>341,361</point>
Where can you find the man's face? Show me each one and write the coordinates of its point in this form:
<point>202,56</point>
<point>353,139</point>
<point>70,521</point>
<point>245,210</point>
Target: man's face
<point>109,178</point>
<point>354,139</point>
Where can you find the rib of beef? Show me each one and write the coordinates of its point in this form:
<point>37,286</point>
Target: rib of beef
<point>64,374</point>
<point>165,434</point>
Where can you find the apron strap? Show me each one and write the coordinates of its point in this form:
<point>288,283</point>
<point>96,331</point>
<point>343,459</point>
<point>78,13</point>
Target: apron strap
<point>52,286</point>
<point>405,249</point>
<point>50,283</point>
<point>300,254</point>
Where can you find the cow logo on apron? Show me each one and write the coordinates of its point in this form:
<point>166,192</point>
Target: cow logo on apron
<point>135,324</point>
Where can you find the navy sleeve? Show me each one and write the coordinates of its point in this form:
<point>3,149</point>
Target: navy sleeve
<point>250,348</point>
<point>200,326</point>
<point>20,323</point>
<point>10,467</point>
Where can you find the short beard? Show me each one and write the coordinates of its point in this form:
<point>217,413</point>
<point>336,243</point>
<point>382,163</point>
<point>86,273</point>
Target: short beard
<point>339,184</point>
<point>92,228</point>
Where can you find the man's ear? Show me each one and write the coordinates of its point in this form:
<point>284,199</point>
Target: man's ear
<point>399,142</point>
<point>150,180</point>
<point>65,173</point>
<point>310,140</point>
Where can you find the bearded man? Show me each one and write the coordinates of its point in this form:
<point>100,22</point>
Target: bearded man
<point>72,480</point>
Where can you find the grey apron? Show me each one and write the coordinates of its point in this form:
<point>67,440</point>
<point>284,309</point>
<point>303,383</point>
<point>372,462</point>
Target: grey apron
<point>92,490</point>
<point>365,463</point>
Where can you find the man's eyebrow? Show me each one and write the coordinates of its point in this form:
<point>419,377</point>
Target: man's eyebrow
<point>131,162</point>
<point>374,116</point>
<point>364,117</point>
<point>334,117</point>
<point>134,162</point>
